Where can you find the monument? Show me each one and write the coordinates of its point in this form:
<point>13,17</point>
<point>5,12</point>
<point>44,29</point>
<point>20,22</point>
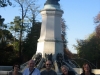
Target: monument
<point>50,41</point>
<point>50,44</point>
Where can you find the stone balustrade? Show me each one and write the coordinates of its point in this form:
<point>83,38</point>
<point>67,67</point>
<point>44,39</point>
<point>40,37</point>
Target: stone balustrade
<point>78,70</point>
<point>5,68</point>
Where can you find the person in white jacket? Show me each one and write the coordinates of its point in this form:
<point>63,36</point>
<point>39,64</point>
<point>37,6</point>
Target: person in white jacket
<point>31,70</point>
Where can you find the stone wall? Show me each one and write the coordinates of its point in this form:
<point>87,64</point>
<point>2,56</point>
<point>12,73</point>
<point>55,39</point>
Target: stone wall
<point>5,68</point>
<point>78,70</point>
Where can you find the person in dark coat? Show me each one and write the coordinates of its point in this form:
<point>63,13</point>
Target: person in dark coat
<point>15,71</point>
<point>87,69</point>
<point>48,70</point>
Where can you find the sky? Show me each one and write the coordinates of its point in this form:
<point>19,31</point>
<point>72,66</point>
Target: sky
<point>78,14</point>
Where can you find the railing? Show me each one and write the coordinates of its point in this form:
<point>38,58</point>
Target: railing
<point>5,68</point>
<point>78,70</point>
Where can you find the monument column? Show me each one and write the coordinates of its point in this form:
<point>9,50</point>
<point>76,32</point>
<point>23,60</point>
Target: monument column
<point>50,40</point>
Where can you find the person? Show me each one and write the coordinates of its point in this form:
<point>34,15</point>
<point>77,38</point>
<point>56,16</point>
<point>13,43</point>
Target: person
<point>48,70</point>
<point>16,68</point>
<point>31,70</point>
<point>86,69</point>
<point>65,70</point>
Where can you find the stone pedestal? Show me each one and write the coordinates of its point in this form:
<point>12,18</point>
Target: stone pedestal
<point>50,40</point>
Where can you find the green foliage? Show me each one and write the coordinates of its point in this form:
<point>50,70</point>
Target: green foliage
<point>30,43</point>
<point>16,24</point>
<point>63,31</point>
<point>89,49</point>
<point>16,45</point>
<point>17,28</point>
<point>5,36</point>
<point>7,52</point>
<point>4,3</point>
<point>8,55</point>
<point>97,22</point>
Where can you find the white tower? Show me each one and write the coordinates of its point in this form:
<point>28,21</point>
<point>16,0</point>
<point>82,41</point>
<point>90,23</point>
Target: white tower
<point>50,40</point>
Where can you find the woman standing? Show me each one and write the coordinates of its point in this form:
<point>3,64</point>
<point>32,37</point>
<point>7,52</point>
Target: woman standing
<point>65,70</point>
<point>87,69</point>
<point>16,68</point>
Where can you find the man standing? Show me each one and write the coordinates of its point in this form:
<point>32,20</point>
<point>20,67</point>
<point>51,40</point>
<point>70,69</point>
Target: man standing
<point>48,70</point>
<point>31,70</point>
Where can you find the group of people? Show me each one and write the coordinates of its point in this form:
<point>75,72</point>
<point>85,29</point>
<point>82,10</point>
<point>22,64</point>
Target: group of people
<point>31,70</point>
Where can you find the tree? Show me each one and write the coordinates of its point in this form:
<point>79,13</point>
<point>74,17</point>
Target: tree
<point>7,53</point>
<point>30,43</point>
<point>15,29</point>
<point>24,5</point>
<point>63,30</point>
<point>97,22</point>
<point>89,49</point>
<point>67,53</point>
<point>3,3</point>
<point>1,28</point>
<point>5,35</point>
